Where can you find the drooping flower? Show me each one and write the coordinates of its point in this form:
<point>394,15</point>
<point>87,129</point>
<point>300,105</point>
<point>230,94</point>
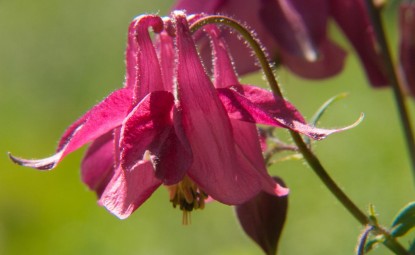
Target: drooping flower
<point>171,125</point>
<point>407,44</point>
<point>295,33</point>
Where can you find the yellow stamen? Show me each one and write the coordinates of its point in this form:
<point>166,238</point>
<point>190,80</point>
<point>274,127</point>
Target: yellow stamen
<point>188,196</point>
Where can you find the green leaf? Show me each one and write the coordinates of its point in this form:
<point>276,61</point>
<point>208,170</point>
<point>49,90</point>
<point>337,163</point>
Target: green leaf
<point>404,221</point>
<point>403,227</point>
<point>373,242</point>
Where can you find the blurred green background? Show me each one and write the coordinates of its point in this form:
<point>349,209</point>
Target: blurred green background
<point>59,58</point>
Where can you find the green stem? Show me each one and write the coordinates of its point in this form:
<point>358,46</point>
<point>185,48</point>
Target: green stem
<point>308,155</point>
<point>397,86</point>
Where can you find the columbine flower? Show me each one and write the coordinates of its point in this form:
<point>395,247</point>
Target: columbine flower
<point>407,44</point>
<point>169,125</point>
<point>295,33</point>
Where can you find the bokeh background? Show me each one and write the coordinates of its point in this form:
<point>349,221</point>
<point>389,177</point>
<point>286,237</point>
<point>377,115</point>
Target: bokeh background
<point>59,58</point>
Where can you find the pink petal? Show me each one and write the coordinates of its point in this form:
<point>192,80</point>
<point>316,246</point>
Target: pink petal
<point>407,44</point>
<point>247,12</point>
<point>297,26</point>
<point>143,69</point>
<point>193,7</point>
<point>99,120</point>
<point>127,190</point>
<point>352,17</point>
<point>252,104</point>
<point>150,127</point>
<point>97,167</point>
<point>262,218</point>
<point>250,155</point>
<point>166,58</point>
<point>223,72</point>
<point>145,124</point>
<point>141,59</point>
<point>330,62</point>
<point>216,165</point>
<point>245,134</point>
<point>171,154</point>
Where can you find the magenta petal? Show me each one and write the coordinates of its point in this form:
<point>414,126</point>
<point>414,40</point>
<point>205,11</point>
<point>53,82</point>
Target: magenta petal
<point>127,190</point>
<point>330,62</point>
<point>248,12</point>
<point>262,218</point>
<point>141,60</point>
<point>166,56</point>
<point>223,72</point>
<point>407,44</point>
<point>298,26</point>
<point>97,167</point>
<point>147,69</point>
<point>352,17</point>
<point>252,104</point>
<point>199,6</point>
<point>250,154</point>
<point>99,120</point>
<point>145,123</point>
<point>171,153</point>
<point>216,167</point>
<point>248,149</point>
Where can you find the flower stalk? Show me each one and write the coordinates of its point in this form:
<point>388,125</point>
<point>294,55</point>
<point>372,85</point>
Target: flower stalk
<point>308,155</point>
<point>395,81</point>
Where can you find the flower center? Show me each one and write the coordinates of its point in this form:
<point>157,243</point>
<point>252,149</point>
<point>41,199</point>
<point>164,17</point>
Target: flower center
<point>188,196</point>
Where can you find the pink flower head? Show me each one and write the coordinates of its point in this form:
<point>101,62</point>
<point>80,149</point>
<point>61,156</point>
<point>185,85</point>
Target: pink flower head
<point>174,125</point>
<point>407,44</point>
<point>295,33</point>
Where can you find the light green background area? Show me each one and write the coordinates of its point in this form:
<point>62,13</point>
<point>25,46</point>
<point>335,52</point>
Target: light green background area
<point>59,58</point>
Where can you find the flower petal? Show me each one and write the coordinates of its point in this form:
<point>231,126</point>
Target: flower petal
<point>145,123</point>
<point>297,26</point>
<point>99,120</point>
<point>330,62</point>
<point>97,167</point>
<point>216,167</point>
<point>262,218</point>
<point>127,190</point>
<point>352,17</point>
<point>407,44</point>
<point>223,72</point>
<point>166,58</point>
<point>143,72</point>
<point>171,153</point>
<point>245,134</point>
<point>193,7</point>
<point>252,104</point>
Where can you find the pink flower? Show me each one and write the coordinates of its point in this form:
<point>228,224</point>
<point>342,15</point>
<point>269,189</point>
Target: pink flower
<point>407,44</point>
<point>171,125</point>
<point>295,33</point>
